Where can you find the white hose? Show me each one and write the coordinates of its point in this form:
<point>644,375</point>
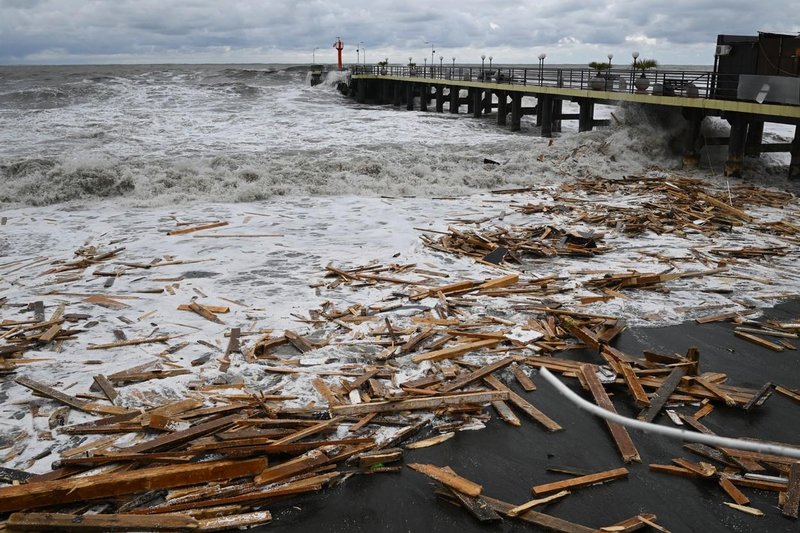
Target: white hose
<point>674,433</point>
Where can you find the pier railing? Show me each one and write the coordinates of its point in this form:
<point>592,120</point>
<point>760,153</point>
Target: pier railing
<point>695,84</point>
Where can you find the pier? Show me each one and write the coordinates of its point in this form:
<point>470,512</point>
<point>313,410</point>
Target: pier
<point>500,90</point>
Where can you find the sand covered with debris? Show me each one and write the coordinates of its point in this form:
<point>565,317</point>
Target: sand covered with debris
<point>266,268</point>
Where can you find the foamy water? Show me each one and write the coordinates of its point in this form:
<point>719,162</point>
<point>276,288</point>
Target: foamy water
<point>156,135</point>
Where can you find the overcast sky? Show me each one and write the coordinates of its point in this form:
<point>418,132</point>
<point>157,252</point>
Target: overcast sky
<point>284,31</point>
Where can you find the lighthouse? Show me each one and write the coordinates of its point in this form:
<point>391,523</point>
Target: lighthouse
<point>339,45</point>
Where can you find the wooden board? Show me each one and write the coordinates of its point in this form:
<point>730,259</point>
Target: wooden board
<point>58,492</point>
<point>448,478</point>
<point>419,403</point>
<point>100,522</point>
<point>526,407</point>
<point>618,432</point>
<point>580,481</point>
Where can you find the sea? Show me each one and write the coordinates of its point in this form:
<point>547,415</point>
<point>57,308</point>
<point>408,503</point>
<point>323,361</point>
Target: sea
<point>160,134</point>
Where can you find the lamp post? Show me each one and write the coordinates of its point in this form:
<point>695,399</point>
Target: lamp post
<point>410,60</point>
<point>608,74</point>
<point>424,66</point>
<point>490,62</point>
<point>635,56</point>
<point>541,66</point>
<point>483,58</point>
<point>441,58</point>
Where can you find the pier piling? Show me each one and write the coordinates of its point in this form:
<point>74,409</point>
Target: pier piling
<point>502,107</point>
<point>477,103</point>
<point>440,98</point>
<point>410,96</point>
<point>516,111</point>
<point>736,143</point>
<point>794,165</point>
<point>424,92</point>
<point>454,99</point>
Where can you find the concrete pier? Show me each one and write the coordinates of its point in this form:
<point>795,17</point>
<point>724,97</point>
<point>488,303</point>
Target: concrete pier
<point>399,85</point>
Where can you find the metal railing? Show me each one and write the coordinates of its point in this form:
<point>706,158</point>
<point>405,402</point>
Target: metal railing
<point>692,84</point>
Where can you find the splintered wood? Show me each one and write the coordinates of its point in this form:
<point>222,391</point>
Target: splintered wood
<point>262,412</point>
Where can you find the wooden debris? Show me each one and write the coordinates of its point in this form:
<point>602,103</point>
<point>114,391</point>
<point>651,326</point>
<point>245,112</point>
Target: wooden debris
<point>792,504</point>
<point>47,493</point>
<point>432,441</point>
<point>449,479</point>
<point>620,435</point>
<point>580,481</point>
<point>533,503</point>
<point>745,509</point>
<point>100,522</point>
<point>419,403</point>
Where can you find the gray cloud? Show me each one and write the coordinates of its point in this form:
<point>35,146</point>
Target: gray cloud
<point>678,31</point>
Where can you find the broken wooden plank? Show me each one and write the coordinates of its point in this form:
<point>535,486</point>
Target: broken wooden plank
<point>544,521</point>
<point>618,432</point>
<point>432,441</point>
<point>792,504</point>
<point>733,491</point>
<point>545,421</point>
<point>505,413</point>
<point>661,396</point>
<point>192,229</point>
<point>449,479</point>
<point>755,339</point>
<point>538,501</point>
<point>580,481</point>
<point>522,378</point>
<point>58,492</point>
<point>131,342</point>
<point>49,392</point>
<point>106,386</point>
<point>634,386</point>
<point>454,351</point>
<point>419,403</point>
<point>471,377</point>
<point>100,522</point>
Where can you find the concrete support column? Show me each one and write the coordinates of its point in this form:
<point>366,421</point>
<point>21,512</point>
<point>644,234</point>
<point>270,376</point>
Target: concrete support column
<point>733,166</point>
<point>440,98</point>
<point>539,108</point>
<point>409,96</point>
<point>516,111</point>
<point>546,104</point>
<point>794,165</point>
<point>386,92</point>
<point>755,136</point>
<point>454,97</point>
<point>487,102</point>
<point>471,99</point>
<point>586,115</point>
<point>558,106</point>
<point>477,103</point>
<point>502,107</point>
<point>692,141</point>
<point>424,90</point>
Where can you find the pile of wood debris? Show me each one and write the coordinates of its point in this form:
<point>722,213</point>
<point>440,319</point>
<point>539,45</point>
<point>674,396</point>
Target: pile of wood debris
<point>218,458</point>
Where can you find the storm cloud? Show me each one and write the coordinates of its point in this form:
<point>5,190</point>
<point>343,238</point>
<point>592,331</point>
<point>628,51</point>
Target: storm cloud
<point>568,31</point>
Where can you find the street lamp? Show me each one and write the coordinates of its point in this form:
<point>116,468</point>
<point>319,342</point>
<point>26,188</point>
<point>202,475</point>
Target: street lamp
<point>635,56</point>
<point>454,61</point>
<point>441,58</point>
<point>608,74</point>
<point>490,62</point>
<point>424,66</point>
<point>541,66</point>
<point>432,52</point>
<point>483,58</point>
